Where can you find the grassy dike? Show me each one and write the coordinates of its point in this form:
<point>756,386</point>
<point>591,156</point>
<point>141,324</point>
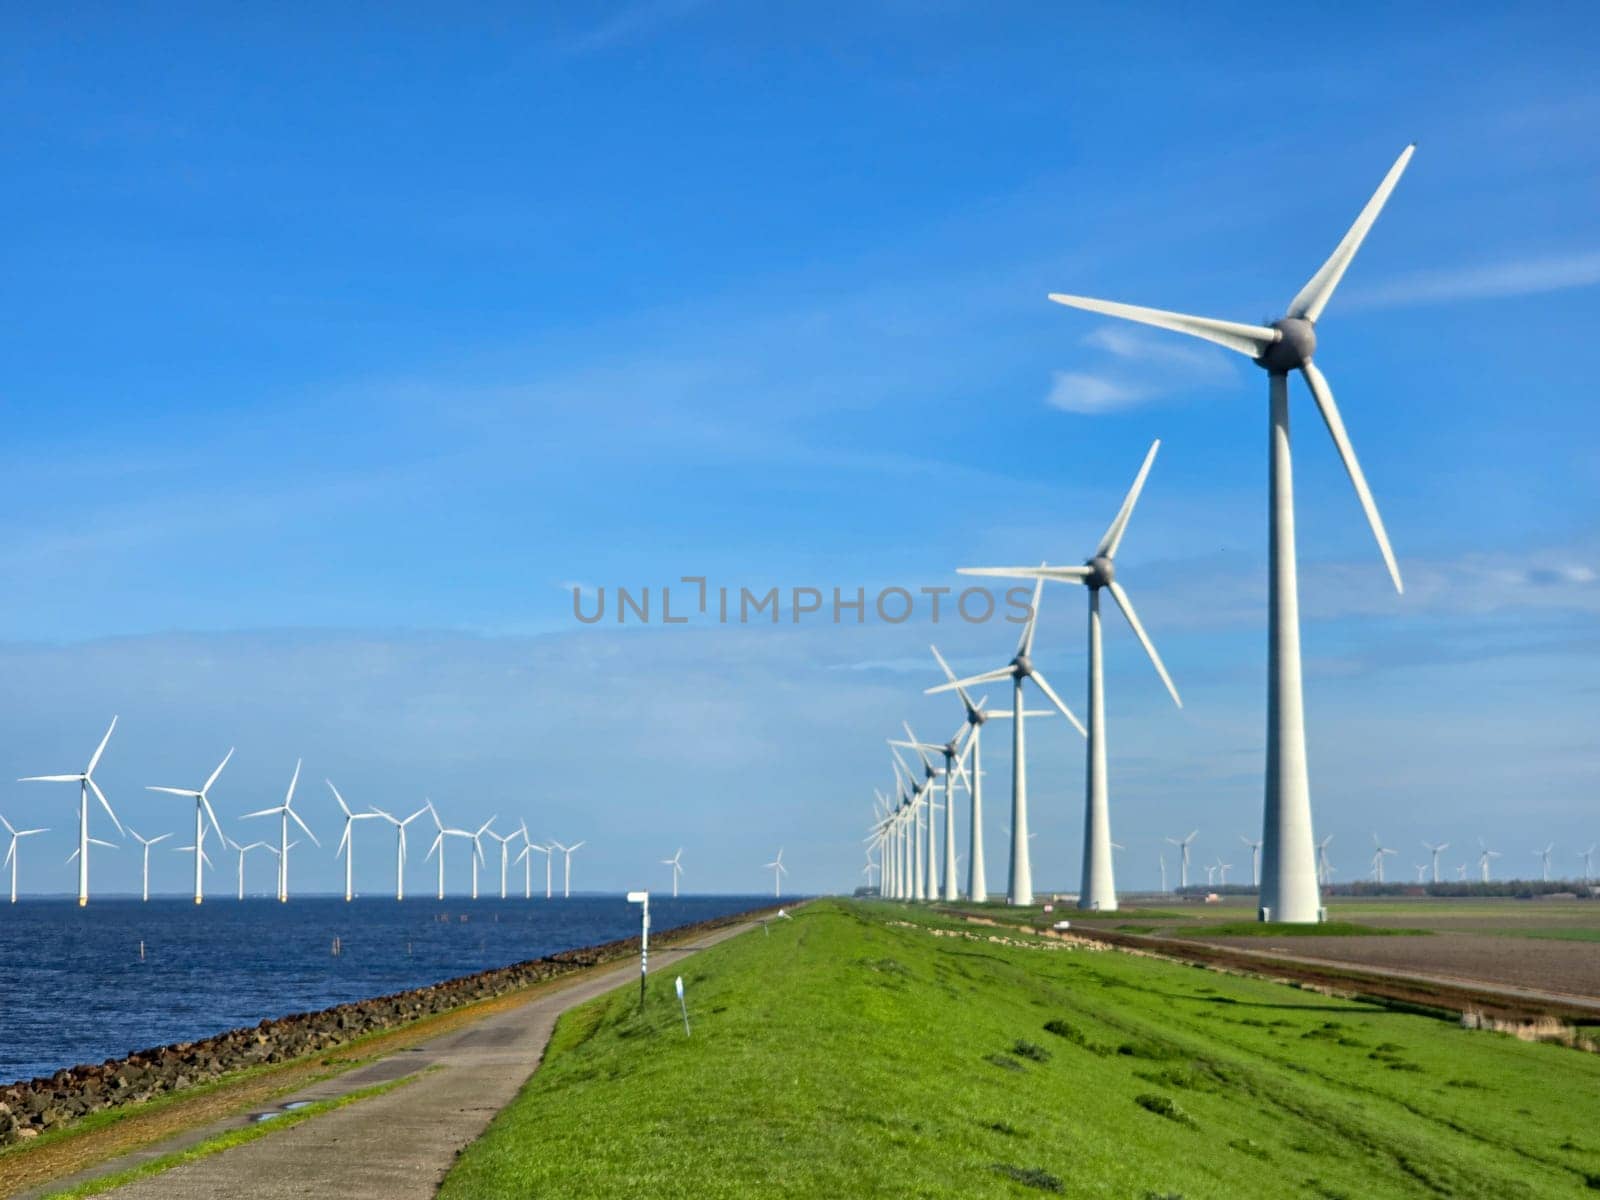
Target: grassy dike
<point>857,1051</point>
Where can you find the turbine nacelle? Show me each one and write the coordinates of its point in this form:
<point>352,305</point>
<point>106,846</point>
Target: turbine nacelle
<point>1296,343</point>
<point>1022,666</point>
<point>1102,572</point>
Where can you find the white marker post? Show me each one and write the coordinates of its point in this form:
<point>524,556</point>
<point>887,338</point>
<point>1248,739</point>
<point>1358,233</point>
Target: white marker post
<point>683,1007</point>
<point>642,898</point>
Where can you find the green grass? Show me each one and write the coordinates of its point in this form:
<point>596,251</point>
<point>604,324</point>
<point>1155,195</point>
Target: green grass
<point>852,1053</point>
<point>1278,929</point>
<point>224,1141</point>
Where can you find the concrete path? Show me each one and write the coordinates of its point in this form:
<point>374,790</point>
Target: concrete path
<point>397,1145</point>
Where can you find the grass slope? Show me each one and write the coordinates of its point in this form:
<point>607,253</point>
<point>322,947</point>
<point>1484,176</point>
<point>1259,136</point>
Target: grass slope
<point>854,1052</point>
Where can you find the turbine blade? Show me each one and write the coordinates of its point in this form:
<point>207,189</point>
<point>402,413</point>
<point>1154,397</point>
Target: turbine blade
<point>294,779</point>
<point>104,803</point>
<point>1249,340</point>
<point>212,813</point>
<point>958,684</point>
<point>218,771</point>
<point>100,749</point>
<point>343,807</point>
<point>265,812</point>
<point>302,825</point>
<point>1330,416</point>
<point>191,794</point>
<point>344,840</point>
<point>51,779</point>
<point>1313,298</point>
<point>1065,574</point>
<point>1025,644</point>
<point>1050,693</point>
<point>1113,535</point>
<point>1126,605</point>
<point>950,677</point>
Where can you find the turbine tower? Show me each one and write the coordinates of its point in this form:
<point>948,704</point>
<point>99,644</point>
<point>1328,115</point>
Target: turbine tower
<point>1436,851</point>
<point>1544,857</point>
<point>477,851</point>
<point>1588,863</point>
<point>1484,857</point>
<point>1019,887</point>
<point>400,846</point>
<point>529,848</point>
<point>1098,890</point>
<point>1183,845</point>
<point>1379,850</point>
<point>953,755</point>
<point>1255,861</point>
<point>285,813</point>
<point>676,863</point>
<point>243,851</point>
<point>12,855</point>
<point>778,872</point>
<point>505,840</point>
<point>1163,859</point>
<point>86,784</point>
<point>202,811</point>
<point>1289,888</point>
<point>144,889</point>
<point>438,847</point>
<point>347,844</point>
<point>200,855</point>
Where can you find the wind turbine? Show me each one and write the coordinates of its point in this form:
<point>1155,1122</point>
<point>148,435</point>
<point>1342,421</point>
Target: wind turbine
<point>505,841</point>
<point>1255,860</point>
<point>932,774</point>
<point>1098,890</point>
<point>1211,874</point>
<point>86,784</point>
<point>400,846</point>
<point>1183,845</point>
<point>1461,870</point>
<point>477,848</point>
<point>243,850</point>
<point>1544,857</point>
<point>778,872</point>
<point>1436,851</point>
<point>529,847</point>
<point>202,811</point>
<point>347,844</point>
<point>1019,887</point>
<point>1484,857</point>
<point>200,855</point>
<point>12,856</point>
<point>1222,870</point>
<point>911,803</point>
<point>676,863</point>
<point>1163,859</point>
<point>1378,852</point>
<point>438,847</point>
<point>144,893</point>
<point>566,883</point>
<point>1324,867</point>
<point>1588,863</point>
<point>1289,889</point>
<point>285,812</point>
<point>1422,872</point>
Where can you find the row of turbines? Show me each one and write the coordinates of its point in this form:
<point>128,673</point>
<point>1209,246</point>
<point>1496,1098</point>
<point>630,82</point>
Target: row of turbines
<point>903,833</point>
<point>205,821</point>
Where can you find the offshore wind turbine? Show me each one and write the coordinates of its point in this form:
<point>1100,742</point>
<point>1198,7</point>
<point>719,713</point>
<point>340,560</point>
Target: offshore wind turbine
<point>144,891</point>
<point>438,847</point>
<point>1289,888</point>
<point>243,851</point>
<point>529,847</point>
<point>1098,889</point>
<point>12,856</point>
<point>778,872</point>
<point>200,855</point>
<point>1436,851</point>
<point>566,882</point>
<point>86,784</point>
<point>347,843</point>
<point>676,863</point>
<point>1484,857</point>
<point>400,846</point>
<point>202,811</point>
<point>285,812</point>
<point>1255,861</point>
<point>477,851</point>
<point>1019,887</point>
<point>505,840</point>
<point>1544,857</point>
<point>1183,845</point>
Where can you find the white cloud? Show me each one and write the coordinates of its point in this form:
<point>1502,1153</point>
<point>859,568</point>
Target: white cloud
<point>1523,277</point>
<point>1081,392</point>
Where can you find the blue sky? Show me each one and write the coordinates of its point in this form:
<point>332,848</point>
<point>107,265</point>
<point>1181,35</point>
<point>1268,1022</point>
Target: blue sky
<point>339,346</point>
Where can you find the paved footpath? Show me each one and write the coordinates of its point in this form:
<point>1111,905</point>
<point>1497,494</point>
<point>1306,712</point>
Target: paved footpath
<point>393,1146</point>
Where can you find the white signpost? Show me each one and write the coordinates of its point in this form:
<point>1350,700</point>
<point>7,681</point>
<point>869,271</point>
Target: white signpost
<point>643,899</point>
<point>683,1006</point>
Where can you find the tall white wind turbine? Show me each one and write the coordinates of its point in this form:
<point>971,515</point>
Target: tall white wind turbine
<point>144,889</point>
<point>399,846</point>
<point>285,813</point>
<point>529,849</point>
<point>1255,860</point>
<point>347,842</point>
<point>202,812</point>
<point>438,848</point>
<point>676,863</point>
<point>569,851</point>
<point>1544,858</point>
<point>1183,845</point>
<point>778,872</point>
<point>954,759</point>
<point>1324,867</point>
<point>505,840</point>
<point>1019,887</point>
<point>1484,857</point>
<point>1098,889</point>
<point>1422,872</point>
<point>477,851</point>
<point>1289,887</point>
<point>243,852</point>
<point>1379,852</point>
<point>199,852</point>
<point>1586,855</point>
<point>86,784</point>
<point>12,856</point>
<point>1436,851</point>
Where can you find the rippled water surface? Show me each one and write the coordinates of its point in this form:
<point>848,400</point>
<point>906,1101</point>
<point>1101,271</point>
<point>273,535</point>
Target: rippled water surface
<point>73,988</point>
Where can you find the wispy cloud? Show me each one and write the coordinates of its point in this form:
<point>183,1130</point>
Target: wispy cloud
<point>1519,277</point>
<point>627,24</point>
<point>1145,367</point>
